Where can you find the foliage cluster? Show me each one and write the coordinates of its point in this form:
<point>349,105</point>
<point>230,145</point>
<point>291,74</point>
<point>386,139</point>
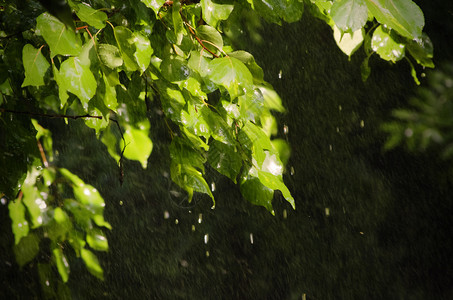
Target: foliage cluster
<point>109,62</point>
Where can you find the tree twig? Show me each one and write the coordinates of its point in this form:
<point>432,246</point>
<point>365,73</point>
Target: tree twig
<point>49,115</point>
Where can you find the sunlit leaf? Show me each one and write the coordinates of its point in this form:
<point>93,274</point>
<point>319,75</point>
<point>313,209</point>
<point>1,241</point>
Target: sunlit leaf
<point>422,50</point>
<point>256,193</point>
<point>230,73</point>
<point>61,262</point>
<point>78,79</point>
<point>214,12</point>
<point>125,40</point>
<point>225,159</point>
<point>19,223</point>
<point>143,51</point>
<point>110,55</point>
<point>92,263</point>
<point>190,179</point>
<point>385,45</point>
<point>271,99</point>
<point>35,65</point>
<point>93,17</point>
<point>276,10</point>
<point>349,15</point>
<point>60,39</point>
<point>138,145</point>
<point>249,61</point>
<point>210,38</point>
<point>276,183</point>
<point>155,5</point>
<point>348,42</point>
<point>97,240</point>
<point>175,69</point>
<point>402,15</point>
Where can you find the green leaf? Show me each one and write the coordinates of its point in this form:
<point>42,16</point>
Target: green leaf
<point>348,42</point>
<point>92,263</point>
<point>47,280</point>
<point>271,99</point>
<point>256,193</point>
<point>138,144</point>
<point>283,149</point>
<point>143,51</point>
<point>218,128</point>
<point>125,40</point>
<point>91,16</point>
<point>61,262</point>
<point>27,249</point>
<point>276,183</point>
<point>78,79</point>
<point>19,224</point>
<point>33,201</point>
<point>249,61</point>
<point>63,95</point>
<point>422,50</point>
<point>35,65</point>
<point>178,24</point>
<point>60,39</point>
<point>175,69</point>
<point>182,152</point>
<point>365,69</point>
<point>199,63</point>
<point>384,44</point>
<point>225,159</point>
<point>230,73</point>
<point>274,10</point>
<point>97,240</point>
<point>110,55</point>
<point>210,37</point>
<point>214,12</point>
<point>155,5</point>
<point>349,15</point>
<point>404,16</point>
<point>253,137</point>
<point>190,179</point>
<point>251,106</point>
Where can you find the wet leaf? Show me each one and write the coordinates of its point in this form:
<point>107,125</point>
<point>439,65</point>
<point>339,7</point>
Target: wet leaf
<point>27,249</point>
<point>275,182</point>
<point>138,144</point>
<point>256,193</point>
<point>225,159</point>
<point>348,42</point>
<point>210,37</point>
<point>190,179</point>
<point>402,15</point>
<point>61,262</point>
<point>78,79</point>
<point>125,40</point>
<point>60,39</point>
<point>385,45</point>
<point>182,152</point>
<point>19,224</point>
<point>35,65</point>
<point>214,12</point>
<point>249,61</point>
<point>92,263</point>
<point>143,51</point>
<point>155,5</point>
<point>422,51</point>
<point>232,74</point>
<point>93,17</point>
<point>97,240</point>
<point>349,15</point>
<point>271,99</point>
<point>110,55</point>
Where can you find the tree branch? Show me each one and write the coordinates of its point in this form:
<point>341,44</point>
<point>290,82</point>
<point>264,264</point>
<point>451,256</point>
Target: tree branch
<point>48,115</point>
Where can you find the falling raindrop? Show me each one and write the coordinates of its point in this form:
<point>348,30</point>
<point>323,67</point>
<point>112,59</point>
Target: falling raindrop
<point>285,214</point>
<point>47,283</point>
<point>166,215</point>
<point>176,221</point>
<point>213,187</point>
<point>338,129</point>
<point>285,129</point>
<point>200,218</point>
<point>280,74</point>
<point>330,147</point>
<point>292,170</point>
<point>207,253</point>
<point>327,211</point>
<point>206,238</point>
<point>193,227</point>
<point>362,123</point>
<point>251,238</point>
<point>3,201</point>
<point>340,108</point>
<point>121,202</point>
